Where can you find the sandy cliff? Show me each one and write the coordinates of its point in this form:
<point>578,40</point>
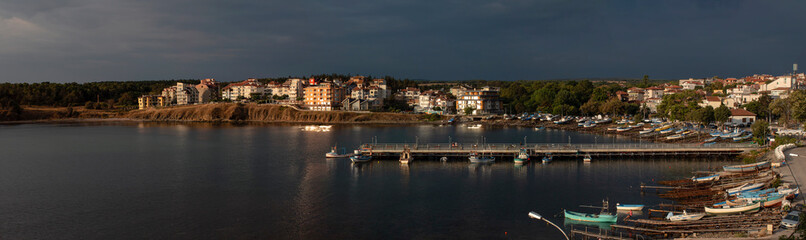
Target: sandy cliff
<point>262,113</point>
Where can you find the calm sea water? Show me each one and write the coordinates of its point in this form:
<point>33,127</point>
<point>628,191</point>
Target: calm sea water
<point>179,181</point>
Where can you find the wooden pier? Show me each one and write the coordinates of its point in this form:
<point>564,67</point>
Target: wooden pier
<point>509,150</point>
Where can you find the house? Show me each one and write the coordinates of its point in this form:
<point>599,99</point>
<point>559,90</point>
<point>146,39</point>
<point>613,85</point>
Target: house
<point>652,104</point>
<point>355,104</point>
<point>692,84</point>
<point>712,101</point>
<point>635,94</point>
<point>741,116</point>
<point>186,94</point>
<point>243,90</point>
<point>147,101</point>
<point>672,89</point>
<point>482,101</point>
<point>653,92</point>
<point>459,90</point>
<point>623,96</point>
<point>207,90</point>
<point>781,92</point>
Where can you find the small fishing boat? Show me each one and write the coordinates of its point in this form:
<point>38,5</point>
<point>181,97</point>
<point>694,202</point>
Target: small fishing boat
<point>629,207</point>
<point>711,139</point>
<point>604,120</point>
<point>539,128</point>
<point>623,129</point>
<point>675,137</point>
<point>669,130</point>
<point>334,153</point>
<point>612,128</point>
<point>587,158</point>
<point>727,209</point>
<point>589,125</point>
<point>476,158</point>
<point>772,200</point>
<point>742,138</point>
<point>475,126</point>
<point>684,217</point>
<point>788,192</point>
<point>747,167</point>
<point>586,217</point>
<point>715,134</point>
<point>443,159</point>
<point>547,158</point>
<point>359,158</point>
<point>664,128</point>
<point>744,188</point>
<point>405,157</point>
<point>522,157</point>
<point>562,121</point>
<point>646,131</point>
<point>714,177</point>
<point>708,144</point>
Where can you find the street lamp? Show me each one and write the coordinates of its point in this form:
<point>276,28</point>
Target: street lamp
<point>538,217</point>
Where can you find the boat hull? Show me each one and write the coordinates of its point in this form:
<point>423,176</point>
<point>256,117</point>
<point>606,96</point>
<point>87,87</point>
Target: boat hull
<point>747,167</point>
<point>360,159</point>
<point>734,210</point>
<point>603,218</point>
<point>629,207</point>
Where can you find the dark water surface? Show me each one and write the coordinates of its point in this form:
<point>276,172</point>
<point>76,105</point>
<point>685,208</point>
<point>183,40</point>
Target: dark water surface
<point>180,181</point>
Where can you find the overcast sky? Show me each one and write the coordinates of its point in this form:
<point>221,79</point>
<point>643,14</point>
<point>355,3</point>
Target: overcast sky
<point>111,40</point>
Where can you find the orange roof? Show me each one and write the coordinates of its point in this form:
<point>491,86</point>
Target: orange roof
<point>712,99</point>
<point>741,112</point>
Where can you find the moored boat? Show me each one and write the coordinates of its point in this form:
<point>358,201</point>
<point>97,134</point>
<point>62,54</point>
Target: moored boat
<point>684,217</point>
<point>747,167</point>
<point>405,157</point>
<point>522,157</point>
<point>476,158</point>
<point>476,126</point>
<point>587,158</point>
<point>623,129</point>
<point>547,158</point>
<point>742,138</point>
<point>629,207</point>
<point>727,209</point>
<point>586,217</point>
<point>334,153</point>
<point>711,139</point>
<point>361,158</point>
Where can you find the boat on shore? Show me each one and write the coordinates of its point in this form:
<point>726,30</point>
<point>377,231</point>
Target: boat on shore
<point>623,129</point>
<point>747,167</point>
<point>728,209</point>
<point>646,131</point>
<point>684,217</point>
<point>587,217</point>
<point>522,157</point>
<point>562,121</point>
<point>714,177</point>
<point>744,188</point>
<point>711,139</point>
<point>629,207</point>
<point>742,138</point>
<point>612,128</point>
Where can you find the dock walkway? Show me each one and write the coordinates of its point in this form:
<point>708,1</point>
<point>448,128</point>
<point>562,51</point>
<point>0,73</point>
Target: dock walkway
<point>559,150</point>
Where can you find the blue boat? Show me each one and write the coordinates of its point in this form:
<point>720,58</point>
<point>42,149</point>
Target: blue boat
<point>361,158</point>
<point>712,139</point>
<point>522,157</point>
<point>747,187</point>
<point>547,159</point>
<point>742,138</point>
<point>709,144</point>
<point>714,177</point>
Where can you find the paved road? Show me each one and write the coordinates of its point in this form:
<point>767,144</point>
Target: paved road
<point>794,174</point>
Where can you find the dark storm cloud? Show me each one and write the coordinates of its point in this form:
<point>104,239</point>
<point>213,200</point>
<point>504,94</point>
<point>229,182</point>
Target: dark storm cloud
<point>95,40</point>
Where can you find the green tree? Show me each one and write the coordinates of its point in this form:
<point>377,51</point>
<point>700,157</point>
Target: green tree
<point>469,110</point>
<point>797,101</point>
<point>761,129</point>
<point>614,106</point>
<point>722,114</point>
<point>591,107</point>
<point>783,109</point>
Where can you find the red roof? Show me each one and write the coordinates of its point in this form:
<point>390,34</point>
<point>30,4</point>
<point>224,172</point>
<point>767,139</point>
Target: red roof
<point>674,86</point>
<point>621,93</point>
<point>781,88</point>
<point>654,88</point>
<point>712,99</point>
<point>741,112</point>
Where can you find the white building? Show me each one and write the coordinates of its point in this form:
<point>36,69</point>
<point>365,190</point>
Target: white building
<point>741,116</point>
<point>244,89</point>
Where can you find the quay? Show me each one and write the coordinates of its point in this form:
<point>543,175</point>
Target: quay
<point>509,150</point>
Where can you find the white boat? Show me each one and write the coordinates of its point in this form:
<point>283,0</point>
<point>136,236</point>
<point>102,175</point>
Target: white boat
<point>405,157</point>
<point>646,131</point>
<point>604,120</point>
<point>727,209</point>
<point>714,177</point>
<point>587,158</point>
<point>684,217</point>
<point>612,128</point>
<point>522,157</point>
<point>675,137</point>
<point>623,129</point>
<point>744,188</point>
<point>335,154</point>
<point>361,158</point>
<point>747,167</point>
<point>589,125</point>
<point>547,159</point>
<point>629,207</point>
<point>475,126</point>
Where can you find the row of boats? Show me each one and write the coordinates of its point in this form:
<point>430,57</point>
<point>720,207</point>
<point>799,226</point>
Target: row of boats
<point>746,198</point>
